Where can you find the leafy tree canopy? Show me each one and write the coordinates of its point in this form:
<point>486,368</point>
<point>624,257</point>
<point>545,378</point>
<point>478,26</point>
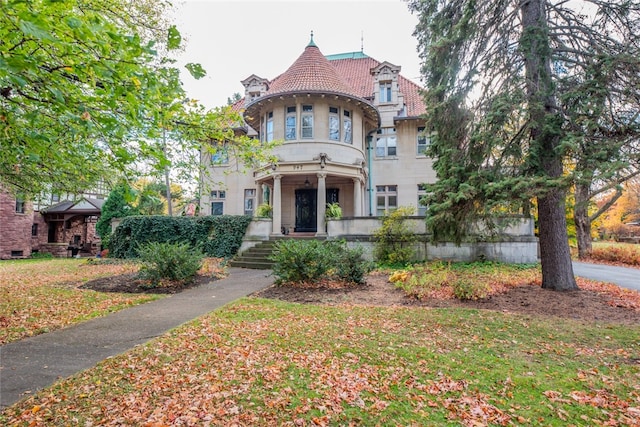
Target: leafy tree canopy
<point>86,88</point>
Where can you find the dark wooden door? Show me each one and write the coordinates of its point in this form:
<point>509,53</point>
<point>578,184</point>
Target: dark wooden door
<point>306,209</point>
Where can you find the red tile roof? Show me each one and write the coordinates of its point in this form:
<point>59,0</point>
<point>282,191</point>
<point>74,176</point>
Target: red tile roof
<point>357,72</point>
<point>348,74</point>
<point>311,72</point>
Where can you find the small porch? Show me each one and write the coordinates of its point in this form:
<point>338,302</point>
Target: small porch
<point>71,228</point>
<point>299,193</point>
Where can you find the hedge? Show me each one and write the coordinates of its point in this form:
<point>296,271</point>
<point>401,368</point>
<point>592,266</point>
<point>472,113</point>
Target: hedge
<point>218,236</point>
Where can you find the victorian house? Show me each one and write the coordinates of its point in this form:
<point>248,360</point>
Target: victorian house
<point>352,134</point>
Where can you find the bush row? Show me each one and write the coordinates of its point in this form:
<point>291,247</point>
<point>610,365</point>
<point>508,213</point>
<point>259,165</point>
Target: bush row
<point>309,261</point>
<point>217,236</point>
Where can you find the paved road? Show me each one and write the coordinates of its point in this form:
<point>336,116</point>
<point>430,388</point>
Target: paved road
<point>31,364</point>
<point>622,276</point>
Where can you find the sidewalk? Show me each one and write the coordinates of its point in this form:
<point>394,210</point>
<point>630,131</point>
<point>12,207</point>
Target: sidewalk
<point>31,364</point>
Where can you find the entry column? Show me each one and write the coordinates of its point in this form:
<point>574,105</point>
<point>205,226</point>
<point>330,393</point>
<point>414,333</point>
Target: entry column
<point>322,204</point>
<point>276,210</point>
<point>357,197</point>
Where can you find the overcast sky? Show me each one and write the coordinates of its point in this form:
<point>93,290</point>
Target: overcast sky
<point>234,39</point>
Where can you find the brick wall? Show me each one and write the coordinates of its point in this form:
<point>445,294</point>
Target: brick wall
<point>15,228</point>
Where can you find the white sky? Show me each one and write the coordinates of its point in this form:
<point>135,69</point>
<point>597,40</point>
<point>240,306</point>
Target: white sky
<point>234,39</point>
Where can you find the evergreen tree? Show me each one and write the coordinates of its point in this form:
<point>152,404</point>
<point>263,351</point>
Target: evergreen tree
<point>512,90</point>
<point>117,205</point>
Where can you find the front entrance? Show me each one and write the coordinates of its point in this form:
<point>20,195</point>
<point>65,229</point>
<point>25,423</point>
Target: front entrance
<point>306,204</point>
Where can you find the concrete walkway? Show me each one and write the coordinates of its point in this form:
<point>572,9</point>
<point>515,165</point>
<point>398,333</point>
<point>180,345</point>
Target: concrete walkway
<point>31,364</point>
<point>625,277</point>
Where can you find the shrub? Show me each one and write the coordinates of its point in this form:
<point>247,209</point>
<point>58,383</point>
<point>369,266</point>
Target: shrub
<point>465,289</point>
<point>264,210</point>
<point>464,281</point>
<point>41,255</point>
<point>169,261</point>
<point>298,261</point>
<point>351,265</point>
<point>394,240</point>
<point>333,211</point>
<point>623,253</point>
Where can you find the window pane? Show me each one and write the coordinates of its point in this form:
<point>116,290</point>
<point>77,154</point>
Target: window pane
<point>380,147</point>
<point>269,130</point>
<point>381,202</point>
<point>393,201</point>
<point>334,128</point>
<point>307,126</point>
<point>222,194</point>
<point>391,145</point>
<point>347,130</point>
<point>290,128</point>
<point>216,208</point>
<point>392,188</point>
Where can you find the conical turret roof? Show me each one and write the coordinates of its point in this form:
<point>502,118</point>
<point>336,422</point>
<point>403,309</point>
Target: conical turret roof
<point>311,72</point>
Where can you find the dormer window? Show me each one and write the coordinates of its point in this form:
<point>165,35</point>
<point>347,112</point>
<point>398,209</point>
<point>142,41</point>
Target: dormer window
<point>307,121</point>
<point>290,124</point>
<point>385,92</point>
<point>334,124</point>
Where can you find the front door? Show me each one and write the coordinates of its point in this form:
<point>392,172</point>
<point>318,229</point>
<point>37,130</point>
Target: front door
<point>306,210</point>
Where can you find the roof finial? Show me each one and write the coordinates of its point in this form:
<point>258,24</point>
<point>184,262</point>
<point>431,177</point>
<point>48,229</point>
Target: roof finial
<point>311,43</point>
<point>361,40</point>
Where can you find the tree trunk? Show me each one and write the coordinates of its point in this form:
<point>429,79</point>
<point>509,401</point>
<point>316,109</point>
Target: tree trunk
<point>555,257</point>
<point>546,160</point>
<point>582,221</point>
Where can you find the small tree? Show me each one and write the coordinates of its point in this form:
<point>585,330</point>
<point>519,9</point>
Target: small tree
<point>117,205</point>
<point>395,239</point>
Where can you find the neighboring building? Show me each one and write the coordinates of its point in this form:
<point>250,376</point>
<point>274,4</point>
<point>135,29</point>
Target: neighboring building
<point>62,228</point>
<point>353,134</point>
<point>16,222</point>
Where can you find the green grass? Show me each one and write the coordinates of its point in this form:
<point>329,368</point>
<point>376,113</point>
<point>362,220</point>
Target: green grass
<point>265,362</point>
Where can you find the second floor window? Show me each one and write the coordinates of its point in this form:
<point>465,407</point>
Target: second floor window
<point>334,124</point>
<point>346,123</point>
<point>386,145</point>
<point>221,155</point>
<point>307,121</point>
<point>423,142</point>
<point>385,92</point>
<point>19,205</point>
<point>290,124</point>
<point>269,127</point>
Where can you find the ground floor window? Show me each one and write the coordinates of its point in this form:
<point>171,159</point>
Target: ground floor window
<point>217,201</point>
<point>422,191</point>
<point>386,199</point>
<point>249,201</point>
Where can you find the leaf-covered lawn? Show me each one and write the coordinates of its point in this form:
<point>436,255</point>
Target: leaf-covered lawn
<point>38,296</point>
<point>266,362</point>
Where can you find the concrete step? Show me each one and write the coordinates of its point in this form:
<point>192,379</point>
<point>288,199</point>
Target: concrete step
<point>251,264</point>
